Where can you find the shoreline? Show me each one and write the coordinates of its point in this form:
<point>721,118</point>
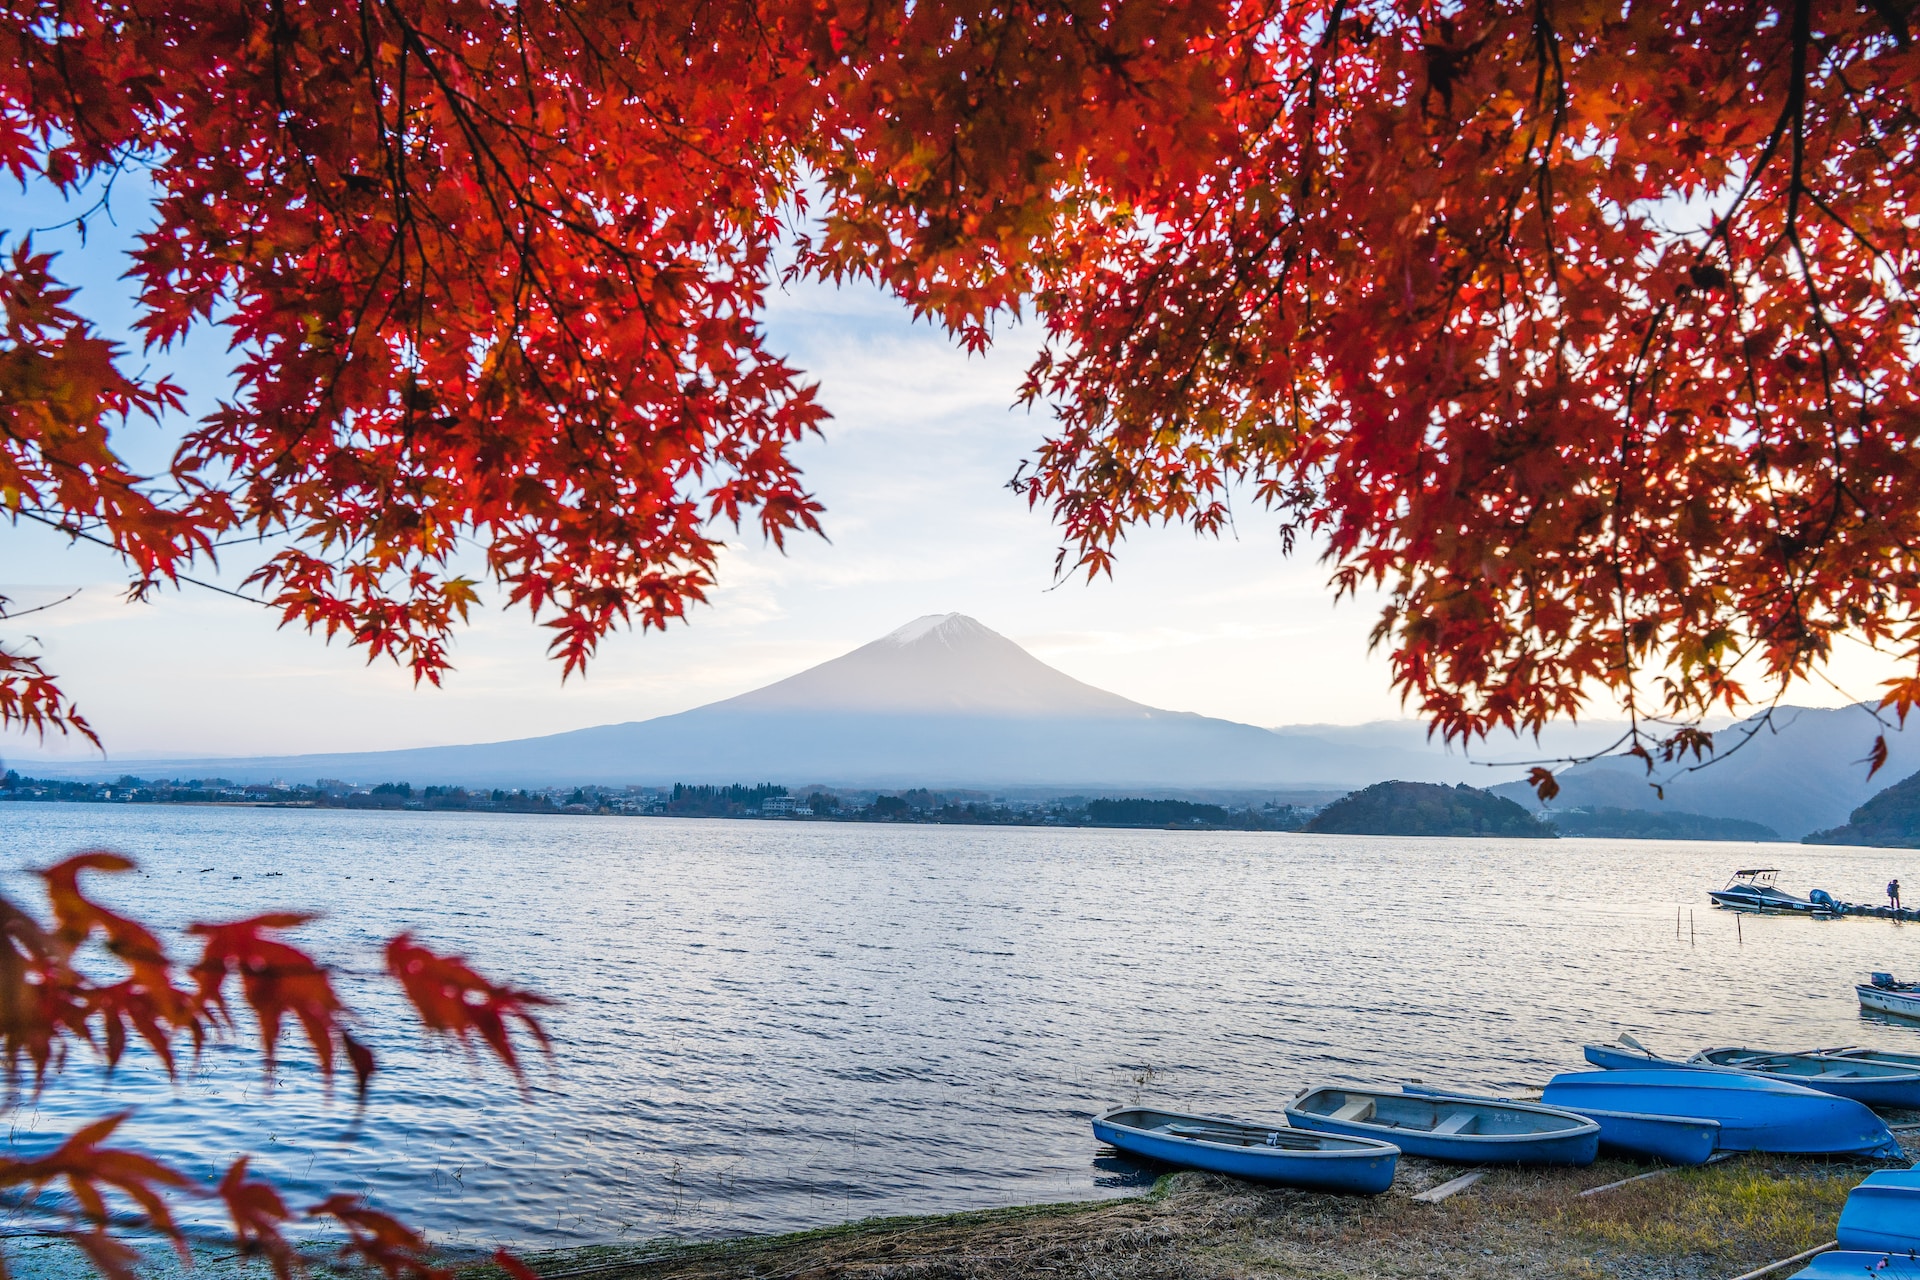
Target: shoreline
<point>1713,1222</point>
<point>1708,1223</point>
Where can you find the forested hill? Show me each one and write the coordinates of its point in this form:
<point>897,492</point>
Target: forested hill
<point>1891,819</point>
<point>1426,809</point>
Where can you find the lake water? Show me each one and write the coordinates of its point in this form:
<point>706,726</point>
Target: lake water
<point>772,1025</point>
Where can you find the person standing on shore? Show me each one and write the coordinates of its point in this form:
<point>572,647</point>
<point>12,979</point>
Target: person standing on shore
<point>1893,893</point>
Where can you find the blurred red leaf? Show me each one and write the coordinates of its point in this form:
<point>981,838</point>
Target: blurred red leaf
<point>1543,783</point>
<point>454,1000</point>
<point>379,1240</point>
<point>91,1170</point>
<point>257,1212</point>
<point>277,980</point>
<point>1877,756</point>
<point>146,1000</point>
<point>514,1268</point>
<point>114,1259</point>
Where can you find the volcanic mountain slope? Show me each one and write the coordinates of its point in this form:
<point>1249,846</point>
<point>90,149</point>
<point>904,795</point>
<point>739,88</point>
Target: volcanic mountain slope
<point>943,701</point>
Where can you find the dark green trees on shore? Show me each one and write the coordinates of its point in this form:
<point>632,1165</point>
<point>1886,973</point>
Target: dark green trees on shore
<point>1426,809</point>
<point>1890,819</point>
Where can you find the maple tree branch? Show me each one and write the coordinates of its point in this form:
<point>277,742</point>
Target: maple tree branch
<point>65,525</point>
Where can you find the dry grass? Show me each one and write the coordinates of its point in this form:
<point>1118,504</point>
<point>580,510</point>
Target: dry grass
<point>1701,1224</point>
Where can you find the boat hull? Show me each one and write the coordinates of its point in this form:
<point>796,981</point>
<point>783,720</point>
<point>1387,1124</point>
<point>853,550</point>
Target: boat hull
<point>1675,1139</point>
<point>1761,904</point>
<point>1755,1113</point>
<point>1905,1004</point>
<point>1680,1140</point>
<point>1855,1265</point>
<point>1356,1166</point>
<point>1560,1138</point>
<point>1883,1213</point>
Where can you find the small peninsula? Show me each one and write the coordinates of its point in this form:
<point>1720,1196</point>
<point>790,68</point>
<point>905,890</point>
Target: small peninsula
<point>1890,819</point>
<point>1426,809</point>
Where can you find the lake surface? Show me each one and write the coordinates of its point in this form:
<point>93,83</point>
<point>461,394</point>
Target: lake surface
<point>771,1025</point>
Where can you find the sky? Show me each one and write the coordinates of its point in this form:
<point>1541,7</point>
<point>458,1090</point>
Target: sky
<point>913,471</point>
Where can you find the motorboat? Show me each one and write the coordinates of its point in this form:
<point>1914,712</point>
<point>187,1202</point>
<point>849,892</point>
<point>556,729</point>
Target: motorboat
<point>1755,1113</point>
<point>1884,995</point>
<point>1755,890</point>
<point>1268,1153</point>
<point>1446,1126</point>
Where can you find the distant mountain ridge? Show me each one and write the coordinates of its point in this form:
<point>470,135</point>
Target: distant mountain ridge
<point>941,701</point>
<point>1800,772</point>
<point>947,702</point>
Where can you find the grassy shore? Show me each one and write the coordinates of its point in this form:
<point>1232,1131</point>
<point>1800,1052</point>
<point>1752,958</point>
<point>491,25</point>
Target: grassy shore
<point>1710,1223</point>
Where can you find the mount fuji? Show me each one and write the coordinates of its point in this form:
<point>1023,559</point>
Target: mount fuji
<point>942,701</point>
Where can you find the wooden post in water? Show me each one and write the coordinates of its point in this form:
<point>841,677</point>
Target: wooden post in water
<point>1738,936</point>
<point>1691,940</point>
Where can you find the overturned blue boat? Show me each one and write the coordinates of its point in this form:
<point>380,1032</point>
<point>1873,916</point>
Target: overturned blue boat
<point>1754,1113</point>
<point>1883,1214</point>
<point>1879,1232</point>
<point>1445,1126</point>
<point>1851,1265</point>
<point>1292,1157</point>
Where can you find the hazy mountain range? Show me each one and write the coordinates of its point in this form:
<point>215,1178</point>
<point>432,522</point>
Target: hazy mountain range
<point>1800,771</point>
<point>945,701</point>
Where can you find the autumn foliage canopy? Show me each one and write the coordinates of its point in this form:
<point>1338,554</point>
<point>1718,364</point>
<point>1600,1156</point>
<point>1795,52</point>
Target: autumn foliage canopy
<point>1586,330</point>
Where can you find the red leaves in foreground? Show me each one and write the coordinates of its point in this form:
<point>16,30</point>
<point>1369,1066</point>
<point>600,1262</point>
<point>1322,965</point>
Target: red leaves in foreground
<point>47,999</point>
<point>257,1212</point>
<point>455,1001</point>
<point>91,1169</point>
<point>379,1240</point>
<point>277,980</point>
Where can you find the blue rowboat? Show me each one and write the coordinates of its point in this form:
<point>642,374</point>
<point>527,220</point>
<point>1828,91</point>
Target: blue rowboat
<point>1855,1265</point>
<point>1675,1139</point>
<point>1614,1057</point>
<point>1444,1126</point>
<point>1755,1113</point>
<point>1883,1213</point>
<point>1878,1084</point>
<point>1316,1161</point>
